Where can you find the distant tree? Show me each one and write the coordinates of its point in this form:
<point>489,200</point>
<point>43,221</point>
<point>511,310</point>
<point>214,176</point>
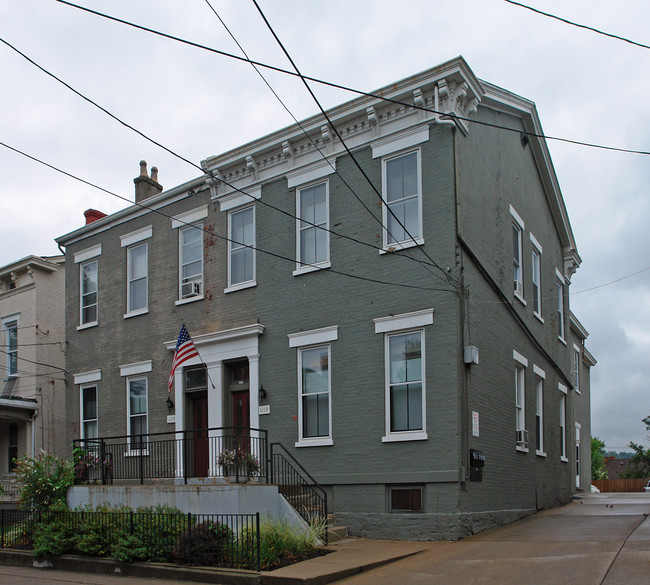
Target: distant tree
<point>639,462</point>
<point>619,454</point>
<point>598,459</point>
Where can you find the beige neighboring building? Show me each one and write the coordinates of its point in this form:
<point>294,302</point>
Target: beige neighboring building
<point>32,359</point>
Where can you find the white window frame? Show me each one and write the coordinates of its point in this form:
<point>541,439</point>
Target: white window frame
<point>518,227</point>
<point>302,268</point>
<point>540,376</point>
<point>559,287</point>
<point>521,363</point>
<point>129,279</point>
<point>82,267</point>
<point>536,277</point>
<point>577,359</point>
<point>130,415</point>
<point>235,246</point>
<point>416,239</point>
<point>83,421</point>
<point>563,428</point>
<point>306,340</point>
<point>578,443</point>
<point>8,323</point>
<point>196,279</point>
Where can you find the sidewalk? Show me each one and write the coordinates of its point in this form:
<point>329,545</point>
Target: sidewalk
<point>600,539</point>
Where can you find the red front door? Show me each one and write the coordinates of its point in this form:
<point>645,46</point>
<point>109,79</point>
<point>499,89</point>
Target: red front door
<point>200,439</point>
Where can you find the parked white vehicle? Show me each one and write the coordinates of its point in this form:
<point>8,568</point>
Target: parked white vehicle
<point>594,490</point>
<point>647,487</point>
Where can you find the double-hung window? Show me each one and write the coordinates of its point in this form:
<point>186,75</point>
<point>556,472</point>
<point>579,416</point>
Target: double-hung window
<point>576,368</point>
<point>241,246</point>
<point>89,429</point>
<point>521,434</point>
<point>190,261</point>
<point>517,254</point>
<point>559,286</point>
<point>404,374</point>
<point>536,270</point>
<point>137,271</point>
<point>137,412</point>
<point>11,337</point>
<point>312,240</point>
<point>88,293</point>
<point>88,285</point>
<point>539,410</point>
<point>314,385</point>
<point>402,214</point>
<point>563,430</point>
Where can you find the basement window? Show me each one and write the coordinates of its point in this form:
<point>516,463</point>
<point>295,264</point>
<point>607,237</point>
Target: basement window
<point>405,498</point>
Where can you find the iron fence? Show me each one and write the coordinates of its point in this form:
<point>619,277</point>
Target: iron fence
<point>216,540</point>
<point>240,453</point>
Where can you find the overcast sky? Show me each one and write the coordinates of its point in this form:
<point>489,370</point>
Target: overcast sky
<point>586,86</point>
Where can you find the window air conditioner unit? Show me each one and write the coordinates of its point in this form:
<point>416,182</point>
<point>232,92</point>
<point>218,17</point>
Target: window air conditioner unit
<point>190,289</point>
<point>522,438</point>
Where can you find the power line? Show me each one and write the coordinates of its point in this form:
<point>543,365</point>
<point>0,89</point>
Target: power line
<point>318,149</point>
<point>184,159</point>
<point>451,116</point>
<point>213,234</point>
<point>584,26</point>
<point>32,361</point>
<point>345,146</point>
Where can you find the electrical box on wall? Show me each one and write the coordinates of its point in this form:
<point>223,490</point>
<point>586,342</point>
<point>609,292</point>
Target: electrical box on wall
<point>471,355</point>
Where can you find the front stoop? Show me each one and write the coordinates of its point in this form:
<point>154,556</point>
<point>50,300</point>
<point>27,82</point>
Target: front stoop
<point>335,533</point>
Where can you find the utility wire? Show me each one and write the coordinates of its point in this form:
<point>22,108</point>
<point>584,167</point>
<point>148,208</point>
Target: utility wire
<point>304,131</point>
<point>566,21</point>
<point>213,234</point>
<point>448,115</point>
<point>33,362</point>
<point>184,159</point>
<point>347,150</point>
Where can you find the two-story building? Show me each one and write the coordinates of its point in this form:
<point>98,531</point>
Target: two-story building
<point>386,291</point>
<point>32,359</point>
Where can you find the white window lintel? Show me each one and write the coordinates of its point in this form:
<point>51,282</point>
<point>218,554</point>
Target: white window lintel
<point>519,358</point>
<point>314,336</point>
<point>562,388</point>
<point>87,254</point>
<point>136,236</point>
<point>187,218</point>
<point>537,245</point>
<point>517,218</point>
<point>404,321</point>
<point>311,173</point>
<point>539,372</point>
<point>239,198</point>
<point>400,141</point>
<point>86,377</point>
<point>136,368</point>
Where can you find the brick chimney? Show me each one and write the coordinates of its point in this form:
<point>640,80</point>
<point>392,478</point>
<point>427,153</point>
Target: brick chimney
<point>146,186</point>
<point>93,215</point>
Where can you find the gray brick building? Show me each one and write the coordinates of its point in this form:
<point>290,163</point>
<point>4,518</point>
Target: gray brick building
<point>398,317</point>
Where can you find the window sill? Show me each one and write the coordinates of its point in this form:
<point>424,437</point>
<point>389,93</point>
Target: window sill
<point>136,313</point>
<point>409,436</point>
<point>521,449</point>
<point>189,300</point>
<point>520,298</point>
<point>321,442</point>
<point>564,459</point>
<point>538,317</point>
<point>540,453</point>
<point>397,246</point>
<point>87,326</point>
<point>311,268</point>
<point>137,453</point>
<point>240,286</point>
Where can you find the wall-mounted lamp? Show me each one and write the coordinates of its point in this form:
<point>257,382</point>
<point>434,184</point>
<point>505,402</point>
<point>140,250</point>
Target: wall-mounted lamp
<point>169,403</point>
<point>262,392</point>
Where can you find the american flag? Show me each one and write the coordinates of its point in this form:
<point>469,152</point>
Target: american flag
<point>185,350</point>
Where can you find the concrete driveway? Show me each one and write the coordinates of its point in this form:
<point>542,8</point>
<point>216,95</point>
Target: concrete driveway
<point>601,539</point>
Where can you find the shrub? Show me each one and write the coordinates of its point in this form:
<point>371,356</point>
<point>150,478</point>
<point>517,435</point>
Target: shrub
<point>207,544</point>
<point>44,480</point>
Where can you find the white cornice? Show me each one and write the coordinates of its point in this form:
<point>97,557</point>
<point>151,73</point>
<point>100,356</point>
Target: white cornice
<point>254,330</point>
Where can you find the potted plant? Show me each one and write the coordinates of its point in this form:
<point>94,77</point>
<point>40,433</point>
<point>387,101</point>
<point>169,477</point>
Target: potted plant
<point>235,462</point>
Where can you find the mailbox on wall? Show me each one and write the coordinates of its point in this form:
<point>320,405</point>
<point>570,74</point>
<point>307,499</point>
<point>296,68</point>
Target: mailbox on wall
<point>476,464</point>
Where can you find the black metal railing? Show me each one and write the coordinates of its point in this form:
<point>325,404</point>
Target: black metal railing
<point>217,540</point>
<point>235,452</point>
<point>299,488</point>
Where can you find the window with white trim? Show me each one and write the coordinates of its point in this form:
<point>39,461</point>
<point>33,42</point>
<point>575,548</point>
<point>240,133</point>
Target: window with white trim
<point>576,368</point>
<point>11,343</point>
<point>539,416</point>
<point>517,254</point>
<point>12,446</point>
<point>521,434</point>
<point>241,246</point>
<point>190,261</point>
<point>137,278</point>
<point>402,192</point>
<point>315,389</point>
<point>137,411</point>
<point>536,269</point>
<point>563,430</point>
<point>312,238</point>
<point>89,420</point>
<point>405,382</point>
<point>314,385</point>
<point>559,285</point>
<point>88,294</point>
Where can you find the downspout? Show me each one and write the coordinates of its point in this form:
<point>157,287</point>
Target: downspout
<point>437,116</point>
